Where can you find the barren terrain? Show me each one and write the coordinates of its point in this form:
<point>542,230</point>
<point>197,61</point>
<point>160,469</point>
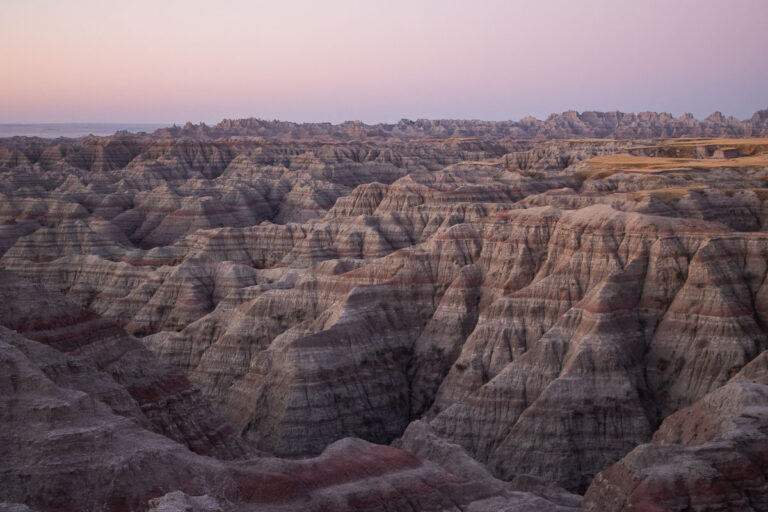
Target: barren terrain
<point>433,315</point>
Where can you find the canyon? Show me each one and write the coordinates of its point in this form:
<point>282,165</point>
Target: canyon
<point>568,314</point>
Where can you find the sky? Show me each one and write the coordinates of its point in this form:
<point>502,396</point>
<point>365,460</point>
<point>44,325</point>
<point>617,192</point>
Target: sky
<point>163,61</point>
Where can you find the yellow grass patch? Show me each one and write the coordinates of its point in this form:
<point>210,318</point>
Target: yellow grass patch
<point>745,146</point>
<point>722,141</point>
<point>604,166</point>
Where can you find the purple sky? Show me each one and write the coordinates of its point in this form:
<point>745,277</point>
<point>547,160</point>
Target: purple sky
<point>377,60</point>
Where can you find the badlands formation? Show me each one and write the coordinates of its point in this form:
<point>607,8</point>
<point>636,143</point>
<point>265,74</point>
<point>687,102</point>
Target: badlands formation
<point>557,315</point>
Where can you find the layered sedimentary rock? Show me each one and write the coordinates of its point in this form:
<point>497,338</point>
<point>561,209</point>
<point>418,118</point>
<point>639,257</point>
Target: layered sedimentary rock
<point>566,125</point>
<point>521,315</point>
<point>114,368</point>
<point>709,456</point>
<point>91,421</point>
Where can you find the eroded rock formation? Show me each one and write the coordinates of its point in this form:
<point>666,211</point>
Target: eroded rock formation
<point>183,310</point>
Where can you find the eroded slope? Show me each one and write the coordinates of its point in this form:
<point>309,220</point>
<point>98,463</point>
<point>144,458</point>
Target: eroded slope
<point>537,309</point>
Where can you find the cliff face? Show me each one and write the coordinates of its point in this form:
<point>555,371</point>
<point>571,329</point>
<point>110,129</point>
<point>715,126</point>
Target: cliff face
<point>519,316</point>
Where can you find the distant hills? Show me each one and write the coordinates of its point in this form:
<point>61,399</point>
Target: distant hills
<point>566,125</point>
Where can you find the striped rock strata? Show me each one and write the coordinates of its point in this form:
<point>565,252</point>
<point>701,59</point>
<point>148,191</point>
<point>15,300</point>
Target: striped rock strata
<point>533,310</point>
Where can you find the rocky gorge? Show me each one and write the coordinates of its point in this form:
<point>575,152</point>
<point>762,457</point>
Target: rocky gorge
<point>569,314</point>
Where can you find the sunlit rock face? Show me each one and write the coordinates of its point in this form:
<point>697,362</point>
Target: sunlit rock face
<point>429,315</point>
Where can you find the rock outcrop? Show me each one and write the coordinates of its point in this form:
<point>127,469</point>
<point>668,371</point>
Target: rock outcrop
<point>91,421</point>
<point>567,125</point>
<point>232,316</point>
<point>709,456</point>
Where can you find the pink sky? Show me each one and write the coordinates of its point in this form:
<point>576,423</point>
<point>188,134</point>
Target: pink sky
<point>377,60</point>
